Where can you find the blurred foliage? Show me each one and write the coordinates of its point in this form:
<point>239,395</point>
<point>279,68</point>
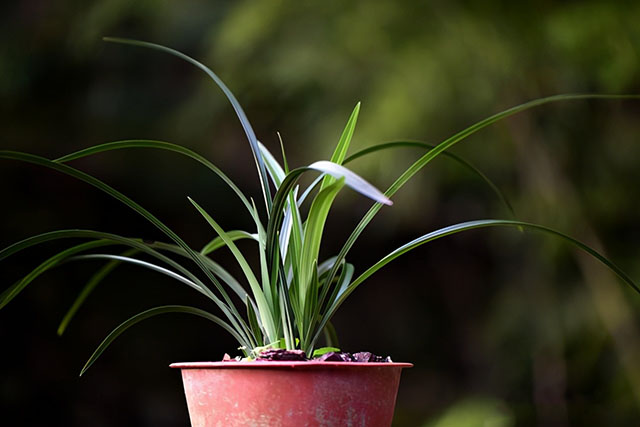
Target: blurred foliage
<point>493,313</point>
<point>474,412</point>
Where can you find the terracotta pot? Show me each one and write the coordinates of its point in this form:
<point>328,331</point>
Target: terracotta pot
<point>290,393</point>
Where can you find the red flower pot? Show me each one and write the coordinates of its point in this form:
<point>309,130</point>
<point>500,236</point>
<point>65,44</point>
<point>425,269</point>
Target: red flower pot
<point>290,393</point>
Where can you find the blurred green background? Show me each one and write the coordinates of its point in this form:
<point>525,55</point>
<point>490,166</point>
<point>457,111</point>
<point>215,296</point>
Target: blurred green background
<point>504,328</point>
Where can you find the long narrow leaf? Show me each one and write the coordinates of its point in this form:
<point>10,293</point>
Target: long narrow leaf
<point>342,284</point>
<point>313,235</point>
<point>159,145</point>
<point>218,243</point>
<point>276,172</point>
<point>264,312</point>
<point>331,336</point>
<point>30,158</point>
<point>283,194</point>
<point>418,144</point>
<point>270,292</point>
<point>141,263</point>
<point>214,267</point>
<point>310,188</point>
<point>309,304</point>
<point>113,238</point>
<point>351,179</point>
<point>285,320</point>
<point>285,164</point>
<point>448,143</point>
<point>470,225</point>
<point>246,125</point>
<point>291,215</point>
<point>105,239</point>
<point>254,323</point>
<point>48,264</point>
<point>326,265</point>
<point>151,313</point>
<point>93,282</point>
<point>343,144</point>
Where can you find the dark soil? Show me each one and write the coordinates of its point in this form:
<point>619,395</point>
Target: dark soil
<point>332,356</point>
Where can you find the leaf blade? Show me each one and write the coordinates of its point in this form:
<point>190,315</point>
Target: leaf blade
<point>458,159</point>
<point>258,294</point>
<point>159,145</point>
<point>449,142</point>
<point>246,125</point>
<point>114,238</point>
<point>151,313</point>
<point>470,225</point>
<point>88,288</point>
<point>352,180</point>
<point>341,149</point>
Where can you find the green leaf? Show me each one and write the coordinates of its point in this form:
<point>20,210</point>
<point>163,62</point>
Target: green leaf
<point>313,235</point>
<point>285,318</point>
<point>111,239</point>
<point>326,265</point>
<point>214,267</point>
<point>253,322</point>
<point>159,145</point>
<point>93,282</point>
<point>470,225</point>
<point>287,226</point>
<point>144,264</point>
<point>343,144</point>
<point>342,284</point>
<point>48,264</point>
<point>351,179</point>
<point>269,291</point>
<point>168,273</point>
<point>283,196</point>
<point>30,158</point>
<point>324,350</point>
<point>218,243</point>
<point>462,162</point>
<point>291,233</point>
<point>448,143</point>
<point>151,313</point>
<point>103,239</point>
<point>310,188</point>
<point>263,309</point>
<point>285,164</point>
<point>330,335</point>
<point>276,172</point>
<point>246,125</point>
<point>309,305</point>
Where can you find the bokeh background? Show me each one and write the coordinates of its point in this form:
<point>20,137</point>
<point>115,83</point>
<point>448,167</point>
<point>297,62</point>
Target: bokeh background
<point>505,328</point>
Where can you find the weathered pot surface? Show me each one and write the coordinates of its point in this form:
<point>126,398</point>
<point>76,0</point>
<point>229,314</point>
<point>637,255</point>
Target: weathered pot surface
<point>291,393</point>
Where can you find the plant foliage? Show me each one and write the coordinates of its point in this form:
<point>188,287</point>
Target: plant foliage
<point>289,299</point>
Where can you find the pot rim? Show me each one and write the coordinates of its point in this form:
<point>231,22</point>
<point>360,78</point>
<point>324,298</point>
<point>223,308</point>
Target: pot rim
<point>286,364</point>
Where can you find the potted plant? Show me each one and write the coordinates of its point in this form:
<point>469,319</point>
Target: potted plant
<point>279,317</point>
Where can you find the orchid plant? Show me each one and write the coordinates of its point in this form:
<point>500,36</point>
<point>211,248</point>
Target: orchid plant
<point>292,294</point>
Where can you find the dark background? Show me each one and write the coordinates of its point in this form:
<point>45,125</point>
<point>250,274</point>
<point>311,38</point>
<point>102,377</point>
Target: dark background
<point>503,327</point>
